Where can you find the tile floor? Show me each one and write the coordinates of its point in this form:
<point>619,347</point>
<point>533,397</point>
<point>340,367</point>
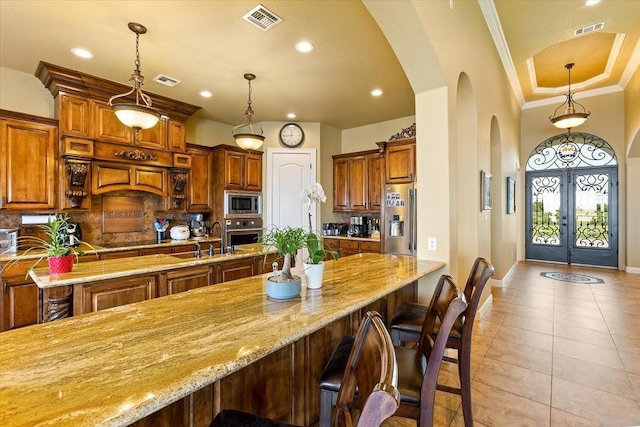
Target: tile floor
<point>553,353</point>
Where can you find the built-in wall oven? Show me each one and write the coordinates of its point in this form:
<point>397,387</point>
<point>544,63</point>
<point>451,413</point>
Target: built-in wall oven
<point>242,204</point>
<point>242,231</point>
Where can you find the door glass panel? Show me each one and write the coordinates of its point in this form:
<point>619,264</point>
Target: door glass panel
<point>545,210</point>
<point>592,210</point>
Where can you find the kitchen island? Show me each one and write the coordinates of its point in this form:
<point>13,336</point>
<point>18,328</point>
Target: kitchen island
<point>178,360</point>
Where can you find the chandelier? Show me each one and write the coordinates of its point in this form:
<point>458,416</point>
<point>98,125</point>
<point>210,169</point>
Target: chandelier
<point>138,115</point>
<point>244,134</point>
<point>570,118</point>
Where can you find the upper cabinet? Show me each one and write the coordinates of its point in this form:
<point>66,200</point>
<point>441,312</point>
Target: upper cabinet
<point>357,181</point>
<point>237,169</point>
<point>28,162</point>
<point>400,160</point>
<point>200,197</point>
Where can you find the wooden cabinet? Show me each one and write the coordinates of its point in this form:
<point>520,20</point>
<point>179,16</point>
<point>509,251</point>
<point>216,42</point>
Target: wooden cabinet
<point>400,162</point>
<point>200,198</point>
<point>106,125</point>
<point>346,247</point>
<point>28,162</point>
<point>120,254</point>
<point>234,269</point>
<point>97,296</point>
<point>357,183</point>
<point>108,176</point>
<point>19,302</point>
<point>176,136</point>
<point>154,137</point>
<point>74,113</point>
<point>185,279</point>
<point>237,169</point>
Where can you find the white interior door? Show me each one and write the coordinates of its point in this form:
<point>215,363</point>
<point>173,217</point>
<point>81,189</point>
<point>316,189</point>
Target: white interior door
<point>289,172</point>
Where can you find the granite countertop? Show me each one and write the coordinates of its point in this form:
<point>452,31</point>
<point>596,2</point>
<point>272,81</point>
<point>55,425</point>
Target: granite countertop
<point>113,247</point>
<point>116,366</point>
<point>93,271</point>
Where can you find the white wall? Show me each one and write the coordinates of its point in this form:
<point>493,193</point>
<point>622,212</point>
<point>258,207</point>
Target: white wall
<point>365,137</point>
<point>24,93</point>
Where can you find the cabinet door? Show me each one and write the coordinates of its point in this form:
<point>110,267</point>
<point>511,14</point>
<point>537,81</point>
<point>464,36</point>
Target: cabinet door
<point>340,184</point>
<point>358,184</point>
<point>234,170</point>
<point>200,181</point>
<point>19,302</point>
<point>176,136</point>
<point>154,137</point>
<point>112,293</point>
<point>253,172</point>
<point>375,181</point>
<point>400,164</point>
<point>185,279</point>
<point>106,125</point>
<point>349,247</point>
<point>74,116</point>
<point>28,159</point>
<point>234,269</point>
<point>373,247</point>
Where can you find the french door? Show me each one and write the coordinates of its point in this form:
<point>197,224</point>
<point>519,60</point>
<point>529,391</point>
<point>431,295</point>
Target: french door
<point>572,216</point>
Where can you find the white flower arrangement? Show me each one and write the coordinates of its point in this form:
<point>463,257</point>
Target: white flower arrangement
<point>315,193</point>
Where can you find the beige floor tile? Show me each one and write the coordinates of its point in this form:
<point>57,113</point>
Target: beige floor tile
<point>458,421</point>
<point>587,352</point>
<point>523,322</point>
<point>631,361</point>
<point>515,379</point>
<point>565,302</point>
<point>528,301</point>
<point>525,337</point>
<point>521,355</point>
<point>535,312</point>
<point>593,375</point>
<point>622,318</point>
<point>593,404</point>
<point>574,332</point>
<point>581,312</point>
<point>532,294</point>
<point>635,381</point>
<point>495,407</point>
<point>627,344</point>
<point>448,400</point>
<point>589,323</point>
<point>564,419</point>
<point>494,316</point>
<point>500,306</point>
<point>623,329</point>
<point>486,328</point>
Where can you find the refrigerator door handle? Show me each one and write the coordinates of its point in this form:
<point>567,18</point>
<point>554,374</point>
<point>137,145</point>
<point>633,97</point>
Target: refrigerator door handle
<point>411,220</point>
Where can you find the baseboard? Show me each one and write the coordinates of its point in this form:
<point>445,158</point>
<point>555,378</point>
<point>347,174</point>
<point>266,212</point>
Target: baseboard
<point>632,270</point>
<point>499,283</point>
<point>486,306</point>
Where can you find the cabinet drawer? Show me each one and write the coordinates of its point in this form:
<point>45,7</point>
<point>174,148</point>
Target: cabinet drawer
<point>369,246</point>
<point>349,244</point>
<point>119,254</point>
<point>155,251</point>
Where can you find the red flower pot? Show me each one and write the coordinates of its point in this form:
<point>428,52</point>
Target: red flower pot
<point>61,264</point>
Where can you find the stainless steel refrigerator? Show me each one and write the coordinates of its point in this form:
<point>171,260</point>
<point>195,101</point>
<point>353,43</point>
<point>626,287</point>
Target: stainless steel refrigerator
<point>399,219</point>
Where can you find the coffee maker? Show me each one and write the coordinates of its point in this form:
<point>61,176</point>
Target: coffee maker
<point>358,226</point>
<point>197,226</point>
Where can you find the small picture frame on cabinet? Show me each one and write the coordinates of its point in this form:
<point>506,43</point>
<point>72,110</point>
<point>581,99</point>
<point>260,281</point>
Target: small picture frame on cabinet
<point>485,190</point>
<point>511,195</point>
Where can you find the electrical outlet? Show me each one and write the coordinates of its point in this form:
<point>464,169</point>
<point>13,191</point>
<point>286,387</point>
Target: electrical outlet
<point>431,246</point>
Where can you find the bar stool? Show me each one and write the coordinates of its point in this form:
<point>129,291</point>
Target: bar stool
<point>372,367</point>
<point>417,367</point>
<point>407,321</point>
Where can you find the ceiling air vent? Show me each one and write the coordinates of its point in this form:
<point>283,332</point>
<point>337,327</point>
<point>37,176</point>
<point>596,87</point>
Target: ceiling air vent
<point>262,18</point>
<point>166,80</point>
<point>588,29</point>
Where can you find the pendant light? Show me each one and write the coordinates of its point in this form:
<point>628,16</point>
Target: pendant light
<point>138,115</point>
<point>248,138</point>
<point>570,118</point>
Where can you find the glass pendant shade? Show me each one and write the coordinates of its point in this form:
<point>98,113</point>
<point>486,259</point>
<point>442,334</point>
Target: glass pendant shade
<point>570,118</point>
<point>136,116</point>
<point>244,134</point>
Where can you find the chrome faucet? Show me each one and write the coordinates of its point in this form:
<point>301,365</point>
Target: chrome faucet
<point>221,235</point>
<point>198,253</point>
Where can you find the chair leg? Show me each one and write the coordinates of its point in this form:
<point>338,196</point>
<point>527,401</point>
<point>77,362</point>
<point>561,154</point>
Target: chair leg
<point>326,407</point>
<point>464,370</point>
<point>395,338</point>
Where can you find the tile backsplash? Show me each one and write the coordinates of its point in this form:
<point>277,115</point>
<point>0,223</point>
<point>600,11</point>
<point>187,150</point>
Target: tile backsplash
<point>91,221</point>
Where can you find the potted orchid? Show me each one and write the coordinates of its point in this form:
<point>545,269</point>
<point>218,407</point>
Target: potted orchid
<point>313,266</point>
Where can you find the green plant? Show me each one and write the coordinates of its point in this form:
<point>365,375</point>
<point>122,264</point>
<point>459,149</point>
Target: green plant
<point>54,245</point>
<point>287,241</point>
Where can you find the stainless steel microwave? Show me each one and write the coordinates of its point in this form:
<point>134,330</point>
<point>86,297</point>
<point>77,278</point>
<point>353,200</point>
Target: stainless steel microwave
<point>242,204</point>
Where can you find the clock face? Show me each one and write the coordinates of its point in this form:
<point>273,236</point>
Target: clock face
<point>291,135</point>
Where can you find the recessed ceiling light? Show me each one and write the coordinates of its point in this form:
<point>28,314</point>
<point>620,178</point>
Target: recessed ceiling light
<point>376,92</point>
<point>591,2</point>
<point>82,53</point>
<point>205,94</point>
<point>304,47</point>
<point>291,116</point>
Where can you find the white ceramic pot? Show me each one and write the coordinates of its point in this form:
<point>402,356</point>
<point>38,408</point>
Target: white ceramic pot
<point>180,232</point>
<point>314,274</point>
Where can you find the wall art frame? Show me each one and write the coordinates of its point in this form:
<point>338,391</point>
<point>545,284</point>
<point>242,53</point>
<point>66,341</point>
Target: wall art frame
<point>485,191</point>
<point>511,195</point>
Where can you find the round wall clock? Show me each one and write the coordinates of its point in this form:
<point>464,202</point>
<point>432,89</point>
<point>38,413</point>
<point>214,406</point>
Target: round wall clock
<point>291,135</point>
